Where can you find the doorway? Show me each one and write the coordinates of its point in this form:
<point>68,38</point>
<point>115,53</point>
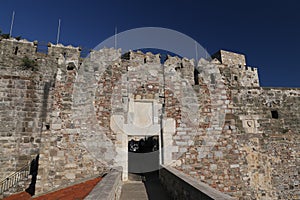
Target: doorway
<point>143,156</point>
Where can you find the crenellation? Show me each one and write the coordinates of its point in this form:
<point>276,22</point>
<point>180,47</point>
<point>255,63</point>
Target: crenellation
<point>17,48</point>
<point>234,68</point>
<point>64,54</point>
<point>240,76</point>
<point>152,59</point>
<point>184,66</point>
<point>138,57</point>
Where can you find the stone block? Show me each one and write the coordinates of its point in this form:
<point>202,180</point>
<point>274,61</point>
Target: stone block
<point>56,126</point>
<point>234,166</point>
<point>70,176</point>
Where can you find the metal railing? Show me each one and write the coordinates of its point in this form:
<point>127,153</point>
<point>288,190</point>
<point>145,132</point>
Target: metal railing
<point>14,178</point>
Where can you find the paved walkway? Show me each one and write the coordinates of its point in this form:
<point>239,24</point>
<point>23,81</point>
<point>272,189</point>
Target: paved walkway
<point>133,191</point>
<point>151,189</point>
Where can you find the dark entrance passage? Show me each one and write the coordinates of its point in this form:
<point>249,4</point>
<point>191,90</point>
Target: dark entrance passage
<point>143,154</point>
<point>143,144</point>
<point>143,165</point>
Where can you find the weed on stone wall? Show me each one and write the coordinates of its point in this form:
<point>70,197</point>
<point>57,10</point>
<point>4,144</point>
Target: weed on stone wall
<point>29,64</point>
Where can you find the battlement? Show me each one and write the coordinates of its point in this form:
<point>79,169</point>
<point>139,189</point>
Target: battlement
<point>105,54</point>
<point>21,48</point>
<point>142,58</point>
<point>233,66</point>
<point>244,68</point>
<point>13,47</point>
<point>68,52</point>
<point>149,57</point>
<point>236,63</point>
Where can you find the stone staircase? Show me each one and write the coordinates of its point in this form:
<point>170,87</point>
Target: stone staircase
<point>15,182</point>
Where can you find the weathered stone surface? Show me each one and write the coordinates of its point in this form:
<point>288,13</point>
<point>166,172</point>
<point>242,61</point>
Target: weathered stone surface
<point>219,125</point>
<point>109,188</point>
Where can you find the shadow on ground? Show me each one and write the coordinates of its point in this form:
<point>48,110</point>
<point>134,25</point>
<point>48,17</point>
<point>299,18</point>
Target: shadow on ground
<point>154,189</point>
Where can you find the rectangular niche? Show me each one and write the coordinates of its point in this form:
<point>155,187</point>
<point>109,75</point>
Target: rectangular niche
<point>274,114</point>
<point>143,114</point>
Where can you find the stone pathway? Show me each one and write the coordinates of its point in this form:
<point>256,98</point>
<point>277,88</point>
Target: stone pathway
<point>133,191</point>
<point>151,189</point>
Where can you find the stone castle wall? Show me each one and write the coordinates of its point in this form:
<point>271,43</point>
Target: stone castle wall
<point>218,125</point>
<point>255,157</point>
<point>24,103</point>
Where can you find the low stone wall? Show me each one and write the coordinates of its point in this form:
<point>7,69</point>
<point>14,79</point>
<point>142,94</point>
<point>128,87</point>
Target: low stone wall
<point>109,188</point>
<point>182,186</point>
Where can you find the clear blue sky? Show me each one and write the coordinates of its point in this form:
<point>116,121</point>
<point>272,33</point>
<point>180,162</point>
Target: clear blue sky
<point>268,32</point>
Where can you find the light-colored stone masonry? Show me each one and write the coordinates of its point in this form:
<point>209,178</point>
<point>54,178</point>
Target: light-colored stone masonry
<point>217,126</point>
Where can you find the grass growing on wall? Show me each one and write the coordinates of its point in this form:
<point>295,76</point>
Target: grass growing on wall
<point>28,64</point>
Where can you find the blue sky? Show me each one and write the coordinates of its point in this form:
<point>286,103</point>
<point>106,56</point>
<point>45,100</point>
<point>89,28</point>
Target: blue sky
<point>268,32</point>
